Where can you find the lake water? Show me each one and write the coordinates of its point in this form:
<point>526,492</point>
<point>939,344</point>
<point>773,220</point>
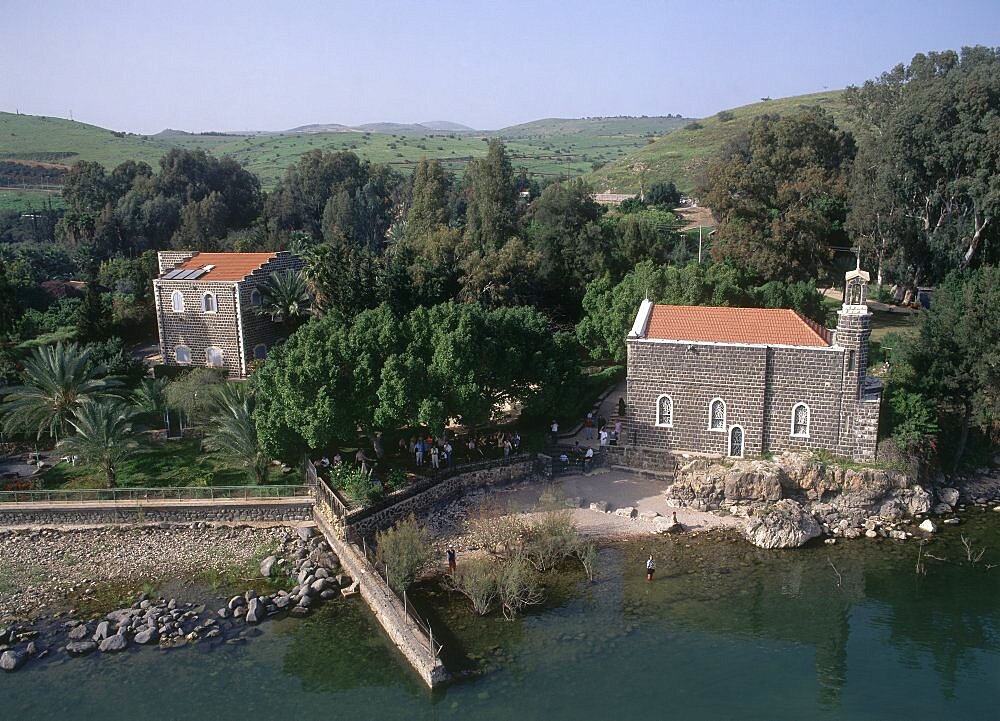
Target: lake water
<point>725,631</point>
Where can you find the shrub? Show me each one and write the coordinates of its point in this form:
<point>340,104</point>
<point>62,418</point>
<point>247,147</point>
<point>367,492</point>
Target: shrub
<point>355,484</point>
<point>406,550</point>
<point>552,538</point>
<point>914,428</point>
<point>694,125</point>
<point>517,586</point>
<point>724,116</point>
<point>476,580</point>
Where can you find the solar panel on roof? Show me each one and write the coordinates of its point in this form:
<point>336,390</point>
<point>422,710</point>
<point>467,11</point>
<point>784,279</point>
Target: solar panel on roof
<point>173,274</point>
<point>197,273</point>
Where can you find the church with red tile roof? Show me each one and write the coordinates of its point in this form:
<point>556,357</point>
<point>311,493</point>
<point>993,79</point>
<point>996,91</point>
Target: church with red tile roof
<point>750,381</point>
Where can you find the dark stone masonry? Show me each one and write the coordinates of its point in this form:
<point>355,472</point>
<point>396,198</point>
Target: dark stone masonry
<point>745,382</point>
<point>224,331</point>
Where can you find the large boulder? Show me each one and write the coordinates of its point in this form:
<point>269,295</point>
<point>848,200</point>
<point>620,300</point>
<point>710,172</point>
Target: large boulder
<point>759,482</point>
<point>12,660</point>
<point>255,611</point>
<point>782,525</point>
<point>114,644</point>
<point>948,495</point>
<point>147,635</point>
<point>78,633</point>
<point>80,648</point>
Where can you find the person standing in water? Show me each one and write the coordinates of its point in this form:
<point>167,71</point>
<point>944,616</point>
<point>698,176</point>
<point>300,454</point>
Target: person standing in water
<point>650,568</point>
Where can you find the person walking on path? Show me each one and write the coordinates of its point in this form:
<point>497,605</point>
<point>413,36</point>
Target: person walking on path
<point>435,458</point>
<point>588,424</point>
<point>588,459</point>
<point>447,453</point>
<point>555,432</point>
<point>419,451</point>
<point>506,450</point>
<point>650,568</point>
<point>451,558</point>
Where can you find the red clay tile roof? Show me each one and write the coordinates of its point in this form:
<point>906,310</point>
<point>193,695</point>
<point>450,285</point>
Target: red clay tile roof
<point>228,266</point>
<point>735,325</point>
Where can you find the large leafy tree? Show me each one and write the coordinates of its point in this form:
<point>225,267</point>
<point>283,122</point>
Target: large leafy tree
<point>429,198</point>
<point>610,309</point>
<point>490,216</point>
<point>103,434</point>
<point>779,194</point>
<point>335,378</point>
<point>569,243</point>
<point>955,362</point>
<point>233,431</point>
<point>927,194</point>
<point>304,390</point>
<point>56,380</point>
<point>342,278</point>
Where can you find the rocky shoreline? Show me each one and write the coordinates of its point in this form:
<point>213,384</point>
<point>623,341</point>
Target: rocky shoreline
<point>790,500</point>
<point>301,562</point>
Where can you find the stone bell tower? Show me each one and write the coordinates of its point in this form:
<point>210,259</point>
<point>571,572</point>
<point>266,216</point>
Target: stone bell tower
<point>862,395</point>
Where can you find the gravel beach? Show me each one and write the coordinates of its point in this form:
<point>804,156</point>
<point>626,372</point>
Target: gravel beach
<point>47,571</point>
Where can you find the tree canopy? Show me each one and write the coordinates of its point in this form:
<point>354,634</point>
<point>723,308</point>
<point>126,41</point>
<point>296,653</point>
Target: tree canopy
<point>779,193</point>
<point>926,188</point>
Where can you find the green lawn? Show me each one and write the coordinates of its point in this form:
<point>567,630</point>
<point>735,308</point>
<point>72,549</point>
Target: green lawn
<point>884,323</point>
<point>26,200</point>
<point>163,464</point>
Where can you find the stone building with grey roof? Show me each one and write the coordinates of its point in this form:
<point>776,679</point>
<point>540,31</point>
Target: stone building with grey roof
<point>206,308</point>
<point>749,381</point>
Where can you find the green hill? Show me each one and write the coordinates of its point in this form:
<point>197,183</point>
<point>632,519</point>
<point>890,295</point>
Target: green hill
<point>55,140</point>
<point>616,126</point>
<point>684,154</point>
<point>544,148</point>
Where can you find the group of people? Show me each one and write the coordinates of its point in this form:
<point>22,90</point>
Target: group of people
<point>360,458</point>
<point>440,452</point>
<point>607,435</point>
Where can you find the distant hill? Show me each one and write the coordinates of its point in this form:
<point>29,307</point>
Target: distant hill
<point>551,148</point>
<point>636,126</point>
<point>447,126</point>
<point>321,128</point>
<point>684,154</point>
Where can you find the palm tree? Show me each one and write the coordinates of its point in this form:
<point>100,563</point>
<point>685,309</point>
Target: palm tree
<point>103,434</point>
<point>151,397</point>
<point>57,379</point>
<point>285,298</point>
<point>235,433</point>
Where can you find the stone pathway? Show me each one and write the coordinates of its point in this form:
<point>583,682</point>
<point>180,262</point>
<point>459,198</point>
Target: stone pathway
<point>608,409</point>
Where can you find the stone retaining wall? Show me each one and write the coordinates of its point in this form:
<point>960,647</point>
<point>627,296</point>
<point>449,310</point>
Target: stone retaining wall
<point>93,513</point>
<point>408,638</point>
<point>367,524</point>
<point>642,459</point>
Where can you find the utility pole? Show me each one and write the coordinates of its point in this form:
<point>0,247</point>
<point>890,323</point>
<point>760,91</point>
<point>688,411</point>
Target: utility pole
<point>699,244</point>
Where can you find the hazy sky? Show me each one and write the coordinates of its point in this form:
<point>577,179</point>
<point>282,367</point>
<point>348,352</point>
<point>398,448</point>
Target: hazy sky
<point>144,66</point>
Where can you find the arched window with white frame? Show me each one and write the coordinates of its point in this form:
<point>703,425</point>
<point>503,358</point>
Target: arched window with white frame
<point>665,411</point>
<point>177,301</point>
<point>213,357</point>
<point>209,303</point>
<point>259,351</point>
<point>717,415</point>
<point>800,420</point>
<point>182,354</point>
<point>256,299</point>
